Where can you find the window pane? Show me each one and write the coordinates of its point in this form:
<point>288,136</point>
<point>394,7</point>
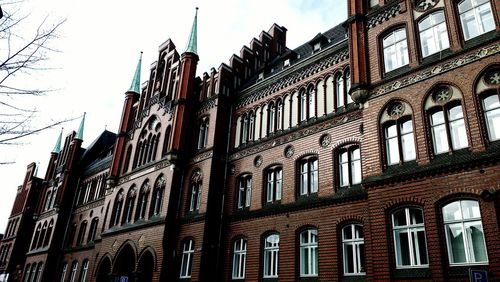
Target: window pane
<point>419,247</point>
<point>278,184</point>
<point>440,139</point>
<point>452,211</point>
<point>400,218</point>
<point>458,134</point>
<point>416,216</point>
<point>470,209</point>
<point>493,124</point>
<point>402,248</point>
<point>475,239</point>
<point>392,150</point>
<point>349,258</point>
<point>348,232</point>
<point>455,241</point>
<point>408,144</point>
<point>356,171</point>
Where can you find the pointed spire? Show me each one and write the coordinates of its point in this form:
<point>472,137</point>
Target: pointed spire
<point>79,134</point>
<point>192,44</point>
<point>136,82</point>
<point>57,147</point>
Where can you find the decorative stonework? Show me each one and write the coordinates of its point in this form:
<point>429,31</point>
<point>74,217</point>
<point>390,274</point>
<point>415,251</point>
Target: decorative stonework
<point>146,187</point>
<point>325,140</point>
<point>424,5</point>
<point>232,169</point>
<point>493,77</point>
<point>207,105</point>
<point>330,123</point>
<point>197,176</point>
<point>384,15</point>
<point>396,109</point>
<point>142,241</point>
<point>289,151</point>
<point>294,77</point>
<point>442,95</point>
<point>258,161</point>
<point>162,164</point>
<point>201,157</point>
<point>437,70</point>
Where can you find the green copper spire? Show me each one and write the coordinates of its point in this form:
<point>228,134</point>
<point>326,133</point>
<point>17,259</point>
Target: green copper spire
<point>193,40</point>
<point>136,82</point>
<point>57,147</point>
<point>79,134</point>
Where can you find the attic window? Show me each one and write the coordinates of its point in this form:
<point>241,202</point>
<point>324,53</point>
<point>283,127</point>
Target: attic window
<point>317,47</point>
<point>286,63</point>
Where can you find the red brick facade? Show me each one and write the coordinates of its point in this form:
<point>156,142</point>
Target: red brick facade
<point>207,172</point>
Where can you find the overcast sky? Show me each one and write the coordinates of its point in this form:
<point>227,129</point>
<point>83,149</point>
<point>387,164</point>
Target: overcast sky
<point>99,47</point>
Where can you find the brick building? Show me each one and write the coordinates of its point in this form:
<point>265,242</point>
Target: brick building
<point>370,152</point>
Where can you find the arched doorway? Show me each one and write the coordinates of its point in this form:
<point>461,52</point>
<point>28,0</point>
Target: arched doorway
<point>104,270</point>
<point>145,267</point>
<point>125,263</point>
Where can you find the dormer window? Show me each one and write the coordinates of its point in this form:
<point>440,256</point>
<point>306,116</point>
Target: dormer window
<point>317,47</point>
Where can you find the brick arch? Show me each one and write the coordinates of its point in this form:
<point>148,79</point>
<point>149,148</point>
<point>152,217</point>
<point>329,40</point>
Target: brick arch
<point>153,253</point>
<point>306,153</point>
<point>435,85</point>
<point>343,221</point>
<point>403,201</point>
<point>480,75</point>
<point>350,140</point>
<point>456,193</point>
<point>101,261</point>
<point>127,244</point>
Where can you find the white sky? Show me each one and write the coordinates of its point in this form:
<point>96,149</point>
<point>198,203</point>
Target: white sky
<point>99,47</point>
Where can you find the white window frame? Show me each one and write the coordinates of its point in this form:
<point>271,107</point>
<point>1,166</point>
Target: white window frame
<point>349,166</point>
<point>490,114</point>
<point>395,52</point>
<point>74,269</point>
<point>356,242</point>
<point>434,30</point>
<point>309,176</point>
<point>477,17</point>
<point>274,184</point>
<point>271,256</point>
<point>308,254</point>
<point>187,259</point>
<point>195,201</point>
<point>410,229</point>
<point>239,259</point>
<point>85,268</point>
<point>244,191</point>
<point>466,239</point>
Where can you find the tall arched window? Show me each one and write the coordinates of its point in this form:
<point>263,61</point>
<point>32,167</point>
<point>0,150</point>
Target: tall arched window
<point>464,233</point>
<point>49,233</point>
<point>279,115</point>
<point>239,258</point>
<point>129,205</point>
<point>127,159</point>
<point>85,268</point>
<point>491,109</point>
<point>37,235</point>
<point>433,33</point>
<point>81,233</point>
<point>117,209</point>
<point>397,127</point>
<point>195,195</point>
<point>271,256</point>
<point>157,199</point>
<point>42,235</point>
<point>187,258</point>
<point>166,141</point>
<point>446,119</point>
<point>203,133</point>
<point>395,49</point>
<point>476,17</point>
<point>308,244</point>
<point>142,203</point>
<point>353,250</point>
<point>271,118</point>
<point>311,102</point>
<point>339,91</point>
<point>93,230</point>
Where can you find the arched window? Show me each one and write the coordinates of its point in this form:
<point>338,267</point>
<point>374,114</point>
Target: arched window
<point>395,49</point>
<point>47,200</point>
<point>142,204</point>
<point>244,129</point>
<point>348,86</point>
<point>409,237</point>
<point>81,233</point>
<point>349,164</point>
<point>273,184</point>
<point>433,33</point>
<point>157,198</point>
<point>42,235</point>
<point>353,249</point>
<point>308,175</point>
<point>464,233</point>
<point>74,269</point>
<point>129,205</point>
<point>127,159</point>
<point>63,272</point>
<point>203,133</point>
<point>491,108</point>
<point>446,121</point>
<point>271,118</point>
<point>279,115</point>
<point>117,208</point>
<point>308,244</point>
<point>93,230</point>
<point>397,129</point>
<point>85,268</point>
<point>251,126</point>
<point>195,195</point>
<point>37,235</point>
<point>303,105</point>
<point>271,256</point>
<point>239,258</point>
<point>244,191</point>
<point>49,233</point>
<point>166,141</point>
<point>339,91</point>
<point>311,102</point>
<point>476,17</point>
<point>187,258</point>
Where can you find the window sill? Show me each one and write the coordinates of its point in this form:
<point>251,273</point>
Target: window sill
<point>354,278</point>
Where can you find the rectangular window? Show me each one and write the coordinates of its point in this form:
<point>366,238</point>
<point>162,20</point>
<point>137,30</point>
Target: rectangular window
<point>353,250</point>
<point>244,191</point>
<point>239,259</point>
<point>309,253</point>
<point>271,256</point>
<point>409,238</point>
<point>308,175</point>
<point>187,259</point>
<point>395,50</point>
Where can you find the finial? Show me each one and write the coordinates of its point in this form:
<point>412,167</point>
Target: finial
<point>57,147</point>
<point>136,81</point>
<point>192,44</point>
<point>79,134</point>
